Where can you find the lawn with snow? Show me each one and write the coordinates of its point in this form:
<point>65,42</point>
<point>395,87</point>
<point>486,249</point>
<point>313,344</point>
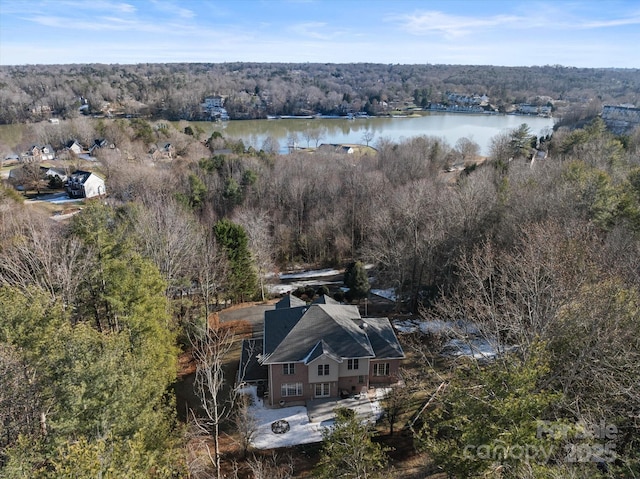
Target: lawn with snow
<point>301,430</point>
<point>464,340</point>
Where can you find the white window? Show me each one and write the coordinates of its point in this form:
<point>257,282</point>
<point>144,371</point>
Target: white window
<point>352,364</point>
<point>323,369</point>
<point>291,389</point>
<point>381,369</point>
<point>323,390</point>
<point>288,369</point>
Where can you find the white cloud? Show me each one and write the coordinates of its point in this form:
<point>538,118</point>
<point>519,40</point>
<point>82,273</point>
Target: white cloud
<point>173,9</point>
<point>424,23</point>
<point>315,30</point>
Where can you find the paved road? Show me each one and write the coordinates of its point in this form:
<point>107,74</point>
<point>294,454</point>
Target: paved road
<point>253,314</point>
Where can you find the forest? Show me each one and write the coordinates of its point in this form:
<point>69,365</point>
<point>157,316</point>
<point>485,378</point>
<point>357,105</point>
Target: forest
<point>254,90</point>
<point>543,254</point>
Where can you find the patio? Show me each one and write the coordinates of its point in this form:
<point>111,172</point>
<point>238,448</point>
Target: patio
<point>322,410</point>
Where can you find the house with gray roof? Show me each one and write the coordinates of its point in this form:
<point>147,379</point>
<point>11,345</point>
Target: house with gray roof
<point>84,184</point>
<point>325,350</point>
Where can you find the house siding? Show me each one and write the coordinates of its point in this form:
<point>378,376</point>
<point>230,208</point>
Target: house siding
<point>392,377</point>
<point>277,379</point>
<point>334,368</point>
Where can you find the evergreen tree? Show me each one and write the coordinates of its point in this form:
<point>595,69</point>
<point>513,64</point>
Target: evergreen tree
<point>487,415</point>
<point>242,281</point>
<point>348,450</point>
<point>356,279</point>
<point>101,367</point>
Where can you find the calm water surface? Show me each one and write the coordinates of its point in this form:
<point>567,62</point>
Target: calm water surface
<point>450,126</point>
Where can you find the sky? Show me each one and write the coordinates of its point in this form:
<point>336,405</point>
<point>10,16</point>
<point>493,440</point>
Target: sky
<point>579,33</point>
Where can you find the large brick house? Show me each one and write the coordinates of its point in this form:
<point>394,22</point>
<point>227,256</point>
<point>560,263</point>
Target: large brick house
<point>322,350</point>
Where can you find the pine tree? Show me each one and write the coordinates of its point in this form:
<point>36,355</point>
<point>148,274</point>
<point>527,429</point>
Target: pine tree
<point>356,279</point>
<point>242,281</point>
<point>348,450</point>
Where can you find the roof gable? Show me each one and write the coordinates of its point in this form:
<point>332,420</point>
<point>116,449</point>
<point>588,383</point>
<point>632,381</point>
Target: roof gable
<point>383,338</point>
<point>290,301</point>
<point>321,349</point>
<point>332,323</point>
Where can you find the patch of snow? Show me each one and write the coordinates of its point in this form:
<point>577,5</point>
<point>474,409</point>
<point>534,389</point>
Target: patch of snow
<point>310,274</point>
<point>384,293</point>
<point>477,348</point>
<point>465,337</point>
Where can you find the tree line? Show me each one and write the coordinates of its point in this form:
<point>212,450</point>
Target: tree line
<point>255,90</point>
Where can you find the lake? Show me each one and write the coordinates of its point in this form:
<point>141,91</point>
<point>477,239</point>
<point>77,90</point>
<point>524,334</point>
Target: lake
<point>450,126</point>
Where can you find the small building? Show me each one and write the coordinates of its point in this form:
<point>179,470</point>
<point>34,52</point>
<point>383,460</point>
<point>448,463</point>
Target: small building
<point>84,184</point>
<point>74,146</point>
<point>337,148</point>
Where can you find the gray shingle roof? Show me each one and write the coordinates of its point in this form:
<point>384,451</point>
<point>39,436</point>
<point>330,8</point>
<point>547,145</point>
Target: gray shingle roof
<point>322,349</point>
<point>324,299</point>
<point>290,301</point>
<point>383,338</point>
<point>278,323</point>
<point>332,323</point>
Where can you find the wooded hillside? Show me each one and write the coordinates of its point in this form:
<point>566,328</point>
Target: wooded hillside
<point>255,90</point>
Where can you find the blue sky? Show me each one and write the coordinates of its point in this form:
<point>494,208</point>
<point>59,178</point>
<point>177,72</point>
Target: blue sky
<point>577,33</point>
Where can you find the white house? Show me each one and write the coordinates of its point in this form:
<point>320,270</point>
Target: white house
<point>84,184</point>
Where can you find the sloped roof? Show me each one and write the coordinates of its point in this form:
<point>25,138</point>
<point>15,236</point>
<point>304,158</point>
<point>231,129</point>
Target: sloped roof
<point>278,323</point>
<point>324,299</point>
<point>322,349</point>
<point>332,323</point>
<point>80,176</point>
<point>383,338</point>
<point>250,369</point>
<point>290,301</point>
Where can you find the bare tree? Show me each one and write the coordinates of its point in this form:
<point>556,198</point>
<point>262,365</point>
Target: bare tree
<point>21,405</point>
<point>211,347</point>
<point>37,253</point>
<point>245,422</point>
<point>316,134</point>
<point>368,136</point>
<point>271,467</point>
<point>171,237</point>
<point>211,271</point>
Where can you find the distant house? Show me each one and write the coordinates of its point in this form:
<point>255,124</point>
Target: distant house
<point>56,174</point>
<point>322,350</point>
<point>100,143</point>
<point>84,184</point>
<point>336,148</point>
<point>213,108</point>
<point>38,153</point>
<point>74,146</point>
<point>165,151</point>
